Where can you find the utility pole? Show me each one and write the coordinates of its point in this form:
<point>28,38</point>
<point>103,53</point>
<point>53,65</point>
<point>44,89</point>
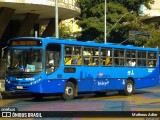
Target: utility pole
<point>105,29</point>
<point>56,19</point>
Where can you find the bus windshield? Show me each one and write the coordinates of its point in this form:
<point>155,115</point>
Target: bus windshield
<point>26,61</point>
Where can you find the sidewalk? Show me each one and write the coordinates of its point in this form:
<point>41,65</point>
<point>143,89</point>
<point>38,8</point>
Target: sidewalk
<point>2,89</point>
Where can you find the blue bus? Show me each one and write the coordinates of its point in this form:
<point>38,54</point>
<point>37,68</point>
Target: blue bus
<point>67,67</point>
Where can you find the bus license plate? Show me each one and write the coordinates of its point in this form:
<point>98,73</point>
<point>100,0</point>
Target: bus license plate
<point>19,87</point>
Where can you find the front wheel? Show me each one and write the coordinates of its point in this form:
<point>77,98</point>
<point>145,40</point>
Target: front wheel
<point>69,91</point>
<point>129,88</point>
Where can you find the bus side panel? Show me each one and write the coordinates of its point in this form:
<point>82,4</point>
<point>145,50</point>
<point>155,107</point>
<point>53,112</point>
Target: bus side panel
<point>147,81</point>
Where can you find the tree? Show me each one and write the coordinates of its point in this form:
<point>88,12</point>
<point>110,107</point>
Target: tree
<point>91,19</point>
<point>65,32</point>
<point>154,40</point>
<point>133,5</point>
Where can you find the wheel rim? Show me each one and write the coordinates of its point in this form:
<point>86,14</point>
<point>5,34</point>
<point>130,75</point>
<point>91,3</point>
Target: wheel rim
<point>129,87</point>
<point>69,91</point>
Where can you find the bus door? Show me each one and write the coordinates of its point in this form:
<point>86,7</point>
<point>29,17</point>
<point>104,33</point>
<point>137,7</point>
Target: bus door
<point>52,58</point>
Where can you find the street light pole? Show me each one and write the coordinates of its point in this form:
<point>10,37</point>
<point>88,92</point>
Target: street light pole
<point>105,30</point>
<point>56,19</point>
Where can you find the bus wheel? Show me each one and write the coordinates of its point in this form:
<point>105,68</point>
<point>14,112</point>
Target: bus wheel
<point>69,91</point>
<point>129,88</point>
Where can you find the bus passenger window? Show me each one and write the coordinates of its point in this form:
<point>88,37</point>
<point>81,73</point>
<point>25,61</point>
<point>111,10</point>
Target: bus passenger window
<point>68,60</point>
<point>87,56</point>
<point>75,60</point>
<point>150,64</point>
<point>152,59</point>
<point>91,56</point>
<point>106,57</point>
<point>108,61</point>
<point>119,57</point>
<point>131,58</point>
<point>68,54</point>
<point>131,62</point>
<point>72,55</point>
<point>142,59</point>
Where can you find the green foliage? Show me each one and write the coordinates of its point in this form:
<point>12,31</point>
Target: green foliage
<point>119,20</point>
<point>154,40</point>
<point>133,5</point>
<point>65,32</point>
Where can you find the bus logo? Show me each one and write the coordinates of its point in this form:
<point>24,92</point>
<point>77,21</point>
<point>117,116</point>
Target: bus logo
<point>100,74</point>
<point>130,72</point>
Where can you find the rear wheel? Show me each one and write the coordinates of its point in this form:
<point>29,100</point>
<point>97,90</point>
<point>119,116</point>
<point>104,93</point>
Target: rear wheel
<point>69,91</point>
<point>129,88</point>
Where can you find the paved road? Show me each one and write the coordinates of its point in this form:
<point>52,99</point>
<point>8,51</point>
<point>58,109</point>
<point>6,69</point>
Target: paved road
<point>147,99</point>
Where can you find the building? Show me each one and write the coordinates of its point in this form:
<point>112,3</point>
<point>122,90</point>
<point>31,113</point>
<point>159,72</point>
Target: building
<point>153,13</point>
<point>19,17</point>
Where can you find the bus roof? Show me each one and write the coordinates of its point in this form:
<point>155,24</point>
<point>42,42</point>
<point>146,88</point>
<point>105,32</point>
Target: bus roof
<point>48,40</point>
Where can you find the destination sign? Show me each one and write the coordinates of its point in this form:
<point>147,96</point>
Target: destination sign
<point>26,43</point>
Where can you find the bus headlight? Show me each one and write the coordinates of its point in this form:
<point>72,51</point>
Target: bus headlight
<point>34,82</point>
<point>39,79</point>
<point>7,81</point>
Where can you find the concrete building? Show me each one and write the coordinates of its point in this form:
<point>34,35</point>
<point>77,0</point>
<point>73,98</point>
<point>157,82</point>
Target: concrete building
<point>20,17</point>
<point>153,13</point>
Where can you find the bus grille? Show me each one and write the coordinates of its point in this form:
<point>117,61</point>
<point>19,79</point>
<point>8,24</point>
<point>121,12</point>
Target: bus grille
<point>14,82</point>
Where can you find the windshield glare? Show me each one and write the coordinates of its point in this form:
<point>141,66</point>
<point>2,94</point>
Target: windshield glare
<point>25,60</point>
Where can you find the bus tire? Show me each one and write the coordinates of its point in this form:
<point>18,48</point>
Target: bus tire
<point>129,88</point>
<point>69,91</point>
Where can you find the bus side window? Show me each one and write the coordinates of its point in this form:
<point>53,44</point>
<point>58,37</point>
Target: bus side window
<point>91,56</point>
<point>106,57</point>
<point>72,55</point>
<point>142,59</point>
<point>67,60</point>
<point>80,61</point>
<point>87,56</point>
<point>108,61</point>
<point>152,59</point>
<point>68,55</point>
<point>77,55</point>
<point>118,57</point>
